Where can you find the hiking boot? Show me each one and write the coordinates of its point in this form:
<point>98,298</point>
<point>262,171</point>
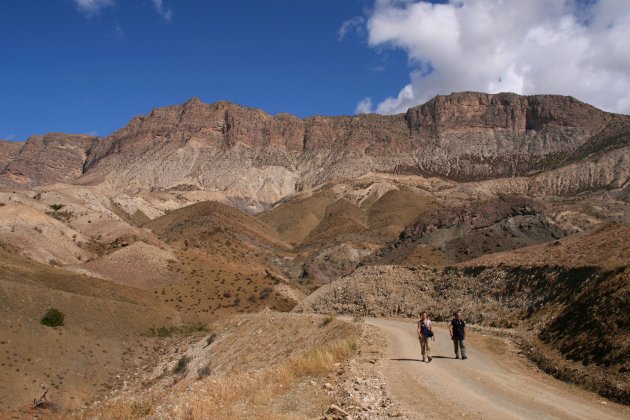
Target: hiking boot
<point>424,360</point>
<point>464,357</point>
<point>457,356</point>
<point>430,358</point>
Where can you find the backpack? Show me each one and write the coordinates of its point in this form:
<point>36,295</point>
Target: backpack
<point>425,329</point>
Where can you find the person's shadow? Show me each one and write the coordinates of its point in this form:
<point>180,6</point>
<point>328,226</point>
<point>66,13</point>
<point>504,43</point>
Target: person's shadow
<point>419,360</point>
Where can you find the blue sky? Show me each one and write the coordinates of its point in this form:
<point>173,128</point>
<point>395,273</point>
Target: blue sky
<point>89,66</point>
<point>66,69</point>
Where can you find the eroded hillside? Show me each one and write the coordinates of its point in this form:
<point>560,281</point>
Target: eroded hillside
<point>512,208</point>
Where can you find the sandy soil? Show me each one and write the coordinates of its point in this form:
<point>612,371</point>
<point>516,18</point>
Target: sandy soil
<point>495,381</point>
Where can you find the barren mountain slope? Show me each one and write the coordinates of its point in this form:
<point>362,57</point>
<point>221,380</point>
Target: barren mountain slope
<point>607,247</point>
<point>227,262</point>
<point>454,234</point>
<point>255,159</point>
<point>338,224</point>
<point>8,151</point>
<point>65,225</point>
<point>100,339</point>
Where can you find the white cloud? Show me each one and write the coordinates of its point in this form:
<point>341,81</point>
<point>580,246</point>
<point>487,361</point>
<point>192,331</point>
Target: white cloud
<point>354,24</point>
<point>364,107</point>
<point>92,7</point>
<point>527,47</point>
<point>162,10</point>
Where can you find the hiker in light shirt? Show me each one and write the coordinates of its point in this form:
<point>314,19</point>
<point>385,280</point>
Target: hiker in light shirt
<point>425,335</point>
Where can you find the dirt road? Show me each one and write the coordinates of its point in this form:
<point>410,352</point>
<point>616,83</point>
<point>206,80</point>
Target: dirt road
<point>494,383</point>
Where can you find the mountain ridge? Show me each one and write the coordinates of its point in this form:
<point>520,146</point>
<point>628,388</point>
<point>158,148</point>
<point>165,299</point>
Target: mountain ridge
<point>258,158</point>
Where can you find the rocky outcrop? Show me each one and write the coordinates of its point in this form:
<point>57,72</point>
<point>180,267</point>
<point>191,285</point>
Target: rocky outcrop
<point>55,157</point>
<point>259,158</point>
<point>467,232</point>
<point>8,152</point>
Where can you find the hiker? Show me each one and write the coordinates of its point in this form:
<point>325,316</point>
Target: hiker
<point>425,335</point>
<point>458,333</point>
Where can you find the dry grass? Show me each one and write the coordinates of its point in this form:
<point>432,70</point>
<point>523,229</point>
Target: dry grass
<point>242,395</point>
<point>319,361</point>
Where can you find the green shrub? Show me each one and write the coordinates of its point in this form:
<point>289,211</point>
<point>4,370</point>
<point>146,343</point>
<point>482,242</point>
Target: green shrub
<point>53,318</point>
<point>56,207</point>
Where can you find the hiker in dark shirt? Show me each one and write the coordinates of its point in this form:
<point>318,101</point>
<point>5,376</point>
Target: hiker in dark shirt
<point>458,333</point>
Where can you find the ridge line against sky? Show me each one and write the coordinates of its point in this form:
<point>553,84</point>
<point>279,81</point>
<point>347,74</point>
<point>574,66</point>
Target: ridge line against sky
<point>88,66</point>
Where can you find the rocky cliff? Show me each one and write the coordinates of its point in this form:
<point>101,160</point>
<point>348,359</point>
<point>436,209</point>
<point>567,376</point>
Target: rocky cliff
<point>55,157</point>
<point>561,146</point>
<point>8,152</point>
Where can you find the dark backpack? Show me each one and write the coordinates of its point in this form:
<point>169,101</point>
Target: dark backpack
<point>425,330</point>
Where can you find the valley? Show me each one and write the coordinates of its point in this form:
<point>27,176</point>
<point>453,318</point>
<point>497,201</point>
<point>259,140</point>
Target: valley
<point>217,219</point>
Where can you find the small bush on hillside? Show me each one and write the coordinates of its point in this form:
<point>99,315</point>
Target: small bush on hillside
<point>182,365</point>
<point>186,329</point>
<point>210,339</point>
<point>327,320</point>
<point>53,318</point>
<point>62,216</point>
<point>56,207</point>
<point>202,372</point>
<point>266,292</point>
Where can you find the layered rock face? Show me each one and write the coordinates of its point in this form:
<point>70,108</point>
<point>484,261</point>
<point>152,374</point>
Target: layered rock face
<point>8,152</point>
<point>55,157</point>
<point>259,158</point>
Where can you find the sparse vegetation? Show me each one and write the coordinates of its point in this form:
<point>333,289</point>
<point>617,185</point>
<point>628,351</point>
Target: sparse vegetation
<point>204,371</point>
<point>53,318</point>
<point>169,331</point>
<point>63,216</point>
<point>141,408</point>
<point>319,361</point>
<point>264,294</point>
<point>327,320</point>
<point>241,394</point>
<point>210,339</point>
<point>182,365</point>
